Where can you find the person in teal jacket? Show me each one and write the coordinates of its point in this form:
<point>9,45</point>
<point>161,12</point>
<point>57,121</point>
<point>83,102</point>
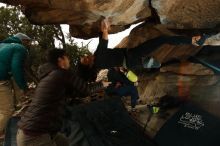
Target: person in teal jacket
<point>13,52</point>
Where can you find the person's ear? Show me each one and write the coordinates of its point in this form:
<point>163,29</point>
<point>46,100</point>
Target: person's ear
<point>59,61</point>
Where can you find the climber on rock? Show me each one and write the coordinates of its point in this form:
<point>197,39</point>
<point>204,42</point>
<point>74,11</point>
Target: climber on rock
<point>133,58</point>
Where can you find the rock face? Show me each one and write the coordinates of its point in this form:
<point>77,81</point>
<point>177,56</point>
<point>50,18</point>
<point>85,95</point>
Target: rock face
<point>202,89</point>
<point>188,14</point>
<point>166,52</point>
<point>187,68</point>
<point>84,16</point>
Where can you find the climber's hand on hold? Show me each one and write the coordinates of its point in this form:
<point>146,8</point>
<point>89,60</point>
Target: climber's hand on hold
<point>105,25</point>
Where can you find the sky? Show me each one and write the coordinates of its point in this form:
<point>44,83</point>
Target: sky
<point>114,39</point>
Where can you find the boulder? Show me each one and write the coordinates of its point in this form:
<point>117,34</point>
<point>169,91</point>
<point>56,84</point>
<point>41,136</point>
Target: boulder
<point>164,53</point>
<point>83,16</point>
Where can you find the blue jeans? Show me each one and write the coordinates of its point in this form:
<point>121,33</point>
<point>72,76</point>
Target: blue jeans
<point>11,131</point>
<point>127,90</point>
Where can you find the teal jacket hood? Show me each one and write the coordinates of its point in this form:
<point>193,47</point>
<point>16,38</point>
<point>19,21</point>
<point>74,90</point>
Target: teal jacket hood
<point>12,40</point>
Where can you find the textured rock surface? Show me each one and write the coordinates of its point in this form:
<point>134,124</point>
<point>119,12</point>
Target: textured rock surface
<point>188,14</point>
<point>84,16</point>
<point>203,89</point>
<point>166,52</point>
<point>187,69</point>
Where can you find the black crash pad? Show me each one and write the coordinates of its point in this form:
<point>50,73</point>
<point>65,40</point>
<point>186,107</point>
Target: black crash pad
<point>104,123</point>
<point>190,126</point>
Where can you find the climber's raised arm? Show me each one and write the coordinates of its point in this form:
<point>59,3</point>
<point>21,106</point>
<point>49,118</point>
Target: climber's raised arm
<point>103,39</point>
<point>105,26</point>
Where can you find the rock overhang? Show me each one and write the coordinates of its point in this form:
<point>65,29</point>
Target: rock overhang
<point>84,16</point>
